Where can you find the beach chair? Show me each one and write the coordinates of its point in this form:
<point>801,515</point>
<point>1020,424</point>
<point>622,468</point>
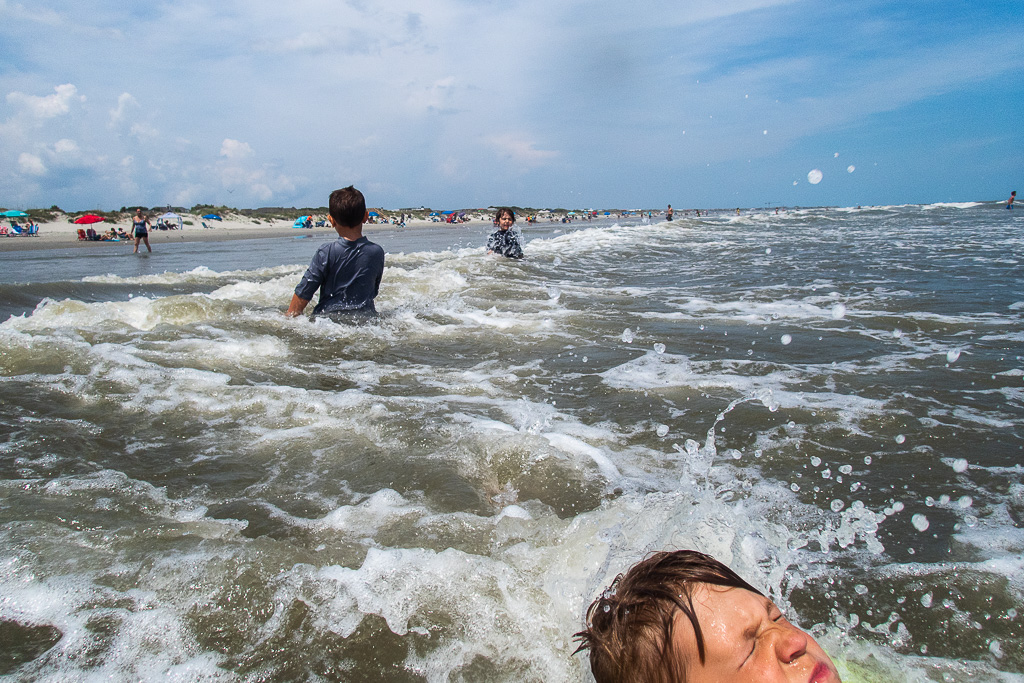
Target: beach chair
<point>205,225</point>
<point>16,229</point>
<point>3,230</point>
<point>33,229</point>
<point>81,235</point>
<point>91,234</point>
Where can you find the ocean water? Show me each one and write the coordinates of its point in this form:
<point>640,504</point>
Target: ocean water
<point>195,488</point>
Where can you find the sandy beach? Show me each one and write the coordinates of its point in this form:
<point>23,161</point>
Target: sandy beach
<point>60,233</point>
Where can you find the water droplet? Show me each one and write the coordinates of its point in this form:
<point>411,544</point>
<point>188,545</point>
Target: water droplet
<point>965,501</point>
<point>584,359</point>
<point>952,355</point>
<point>897,333</point>
<point>786,340</point>
<point>996,648</point>
<point>794,486</point>
<point>851,168</point>
<point>815,460</point>
<point>920,522</point>
<point>838,312</point>
<point>960,465</point>
<point>662,430</point>
<point>846,469</point>
<point>861,589</point>
<point>659,348</point>
<point>837,505</point>
<point>900,438</point>
<point>627,336</point>
<point>867,459</point>
<point>926,600</point>
<point>558,261</point>
<point>814,176</point>
<point>607,608</point>
<point>768,250</point>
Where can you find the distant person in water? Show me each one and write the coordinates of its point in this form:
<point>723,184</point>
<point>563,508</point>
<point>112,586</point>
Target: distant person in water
<point>668,213</point>
<point>347,271</point>
<point>503,240</point>
<point>1009,203</point>
<point>685,616</point>
<point>140,230</point>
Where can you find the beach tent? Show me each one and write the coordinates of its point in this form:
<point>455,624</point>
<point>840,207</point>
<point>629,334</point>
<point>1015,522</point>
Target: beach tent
<point>212,217</point>
<point>301,222</point>
<point>169,218</point>
<point>14,214</point>
<point>89,218</point>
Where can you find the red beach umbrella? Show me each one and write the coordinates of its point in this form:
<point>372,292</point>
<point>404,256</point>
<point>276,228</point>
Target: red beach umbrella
<point>89,218</point>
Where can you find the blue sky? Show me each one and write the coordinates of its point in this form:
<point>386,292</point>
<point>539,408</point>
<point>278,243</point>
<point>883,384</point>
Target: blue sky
<point>544,103</point>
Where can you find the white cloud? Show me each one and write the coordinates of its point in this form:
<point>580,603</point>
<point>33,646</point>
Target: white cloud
<point>520,150</point>
<point>144,131</point>
<point>235,150</point>
<point>31,164</point>
<point>65,146</point>
<point>48,106</point>
<point>125,102</point>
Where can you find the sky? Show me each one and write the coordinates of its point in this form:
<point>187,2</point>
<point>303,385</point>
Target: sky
<point>539,103</point>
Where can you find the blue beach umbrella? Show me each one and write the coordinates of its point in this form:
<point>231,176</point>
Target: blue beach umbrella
<point>374,214</point>
<point>212,217</point>
<point>13,214</point>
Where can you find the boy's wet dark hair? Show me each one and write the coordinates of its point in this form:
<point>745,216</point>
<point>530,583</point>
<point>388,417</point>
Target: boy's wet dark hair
<point>630,628</point>
<point>502,211</point>
<point>347,207</point>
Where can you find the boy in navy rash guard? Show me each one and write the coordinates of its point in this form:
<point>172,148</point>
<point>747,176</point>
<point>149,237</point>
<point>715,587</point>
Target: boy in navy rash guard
<point>348,270</point>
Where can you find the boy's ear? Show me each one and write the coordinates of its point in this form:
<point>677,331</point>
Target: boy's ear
<point>366,216</point>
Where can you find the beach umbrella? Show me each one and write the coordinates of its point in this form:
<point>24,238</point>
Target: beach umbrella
<point>212,217</point>
<point>89,218</point>
<point>13,214</point>
<point>374,214</point>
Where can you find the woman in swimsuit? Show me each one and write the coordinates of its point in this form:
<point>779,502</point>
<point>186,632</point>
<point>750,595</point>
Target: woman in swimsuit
<point>140,231</point>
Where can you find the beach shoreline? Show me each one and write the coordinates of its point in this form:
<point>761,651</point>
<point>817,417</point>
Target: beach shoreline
<point>63,235</point>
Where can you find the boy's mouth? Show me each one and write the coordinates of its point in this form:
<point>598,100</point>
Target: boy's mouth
<point>822,674</point>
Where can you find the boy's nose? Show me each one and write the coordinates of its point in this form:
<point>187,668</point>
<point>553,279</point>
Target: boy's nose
<point>790,643</point>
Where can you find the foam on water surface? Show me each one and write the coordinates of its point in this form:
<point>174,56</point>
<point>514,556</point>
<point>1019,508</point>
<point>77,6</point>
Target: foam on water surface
<point>197,488</point>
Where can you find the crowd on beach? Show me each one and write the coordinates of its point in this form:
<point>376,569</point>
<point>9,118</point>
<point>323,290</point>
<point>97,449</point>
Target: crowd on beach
<point>29,229</point>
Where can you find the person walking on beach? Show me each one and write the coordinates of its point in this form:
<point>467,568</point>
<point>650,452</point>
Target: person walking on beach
<point>503,241</point>
<point>348,270</point>
<point>140,230</point>
<point>1009,203</point>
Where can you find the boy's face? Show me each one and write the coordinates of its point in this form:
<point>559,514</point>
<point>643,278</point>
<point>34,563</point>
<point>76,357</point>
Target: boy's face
<point>746,638</point>
<point>505,221</point>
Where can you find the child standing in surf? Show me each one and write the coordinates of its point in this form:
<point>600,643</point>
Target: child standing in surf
<point>504,241</point>
<point>347,271</point>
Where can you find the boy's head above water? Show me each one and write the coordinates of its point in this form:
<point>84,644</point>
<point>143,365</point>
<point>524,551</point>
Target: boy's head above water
<point>685,617</point>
